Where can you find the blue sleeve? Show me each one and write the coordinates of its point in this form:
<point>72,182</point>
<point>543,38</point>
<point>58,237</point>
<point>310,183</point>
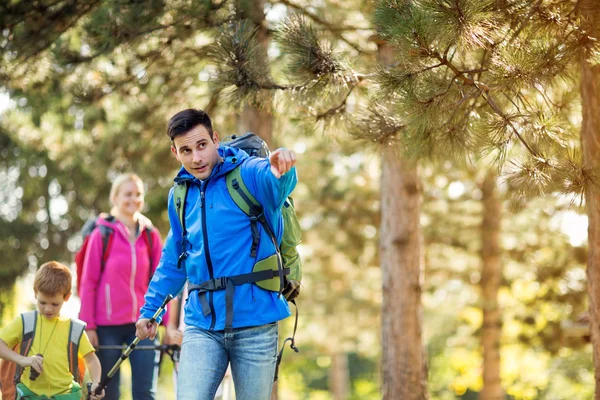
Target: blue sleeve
<point>268,190</point>
<point>167,278</point>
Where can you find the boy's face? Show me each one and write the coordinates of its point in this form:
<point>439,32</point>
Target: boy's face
<point>197,152</point>
<point>49,305</point>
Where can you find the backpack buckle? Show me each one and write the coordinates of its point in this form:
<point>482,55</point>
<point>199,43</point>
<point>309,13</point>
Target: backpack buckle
<point>220,283</point>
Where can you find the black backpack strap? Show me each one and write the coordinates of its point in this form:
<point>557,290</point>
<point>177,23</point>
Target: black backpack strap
<point>29,320</point>
<point>148,232</point>
<point>292,341</point>
<point>105,233</point>
<point>228,283</point>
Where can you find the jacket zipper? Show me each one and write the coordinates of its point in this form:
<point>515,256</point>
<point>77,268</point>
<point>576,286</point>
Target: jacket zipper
<point>207,253</point>
<point>108,302</point>
<point>132,280</point>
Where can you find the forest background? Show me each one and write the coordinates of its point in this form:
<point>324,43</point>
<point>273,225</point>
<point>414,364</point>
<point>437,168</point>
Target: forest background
<point>447,170</point>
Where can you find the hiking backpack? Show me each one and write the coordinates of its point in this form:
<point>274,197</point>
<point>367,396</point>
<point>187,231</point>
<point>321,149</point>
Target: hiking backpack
<point>255,146</point>
<point>274,273</point>
<point>107,237</point>
<point>15,371</point>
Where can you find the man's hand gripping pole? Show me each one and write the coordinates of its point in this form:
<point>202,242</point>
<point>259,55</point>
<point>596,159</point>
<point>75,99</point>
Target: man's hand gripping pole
<point>126,353</point>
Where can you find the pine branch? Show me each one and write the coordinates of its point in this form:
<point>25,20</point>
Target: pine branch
<point>337,109</point>
<point>312,63</point>
<point>331,28</point>
<point>377,125</point>
<point>243,67</point>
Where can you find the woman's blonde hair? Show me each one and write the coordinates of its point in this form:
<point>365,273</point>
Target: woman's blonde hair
<point>119,181</point>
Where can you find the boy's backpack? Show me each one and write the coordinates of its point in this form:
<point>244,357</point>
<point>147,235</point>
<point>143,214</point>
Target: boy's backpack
<point>107,237</point>
<point>10,372</point>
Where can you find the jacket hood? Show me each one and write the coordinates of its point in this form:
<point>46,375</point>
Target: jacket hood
<point>232,157</point>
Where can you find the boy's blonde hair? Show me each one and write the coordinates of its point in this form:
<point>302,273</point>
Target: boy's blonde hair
<point>53,278</point>
<point>120,180</point>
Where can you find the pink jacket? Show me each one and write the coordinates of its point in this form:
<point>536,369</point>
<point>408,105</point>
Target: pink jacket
<point>114,296</point>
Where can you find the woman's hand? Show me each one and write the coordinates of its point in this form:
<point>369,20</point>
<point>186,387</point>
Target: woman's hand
<point>93,336</point>
<point>173,335</point>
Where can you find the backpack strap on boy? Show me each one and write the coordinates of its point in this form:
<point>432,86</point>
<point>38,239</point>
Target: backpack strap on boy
<point>75,332</point>
<point>29,320</point>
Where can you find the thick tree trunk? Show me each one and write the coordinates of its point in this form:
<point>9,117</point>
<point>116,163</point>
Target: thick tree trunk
<point>404,370</point>
<point>404,374</point>
<point>491,277</point>
<point>590,143</point>
<point>258,121</point>
<point>253,119</point>
<point>339,376</point>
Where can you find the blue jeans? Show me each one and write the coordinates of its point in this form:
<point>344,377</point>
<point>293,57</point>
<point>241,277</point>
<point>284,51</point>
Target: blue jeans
<point>205,355</point>
<point>144,363</point>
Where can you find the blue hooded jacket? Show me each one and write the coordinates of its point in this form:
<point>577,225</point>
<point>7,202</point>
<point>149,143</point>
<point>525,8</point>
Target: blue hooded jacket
<point>229,239</point>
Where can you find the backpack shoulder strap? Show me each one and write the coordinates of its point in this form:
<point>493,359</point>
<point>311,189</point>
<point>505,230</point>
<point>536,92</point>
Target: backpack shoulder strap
<point>29,320</point>
<point>180,193</point>
<point>240,194</point>
<point>148,236</point>
<point>75,332</point>
<point>106,234</point>
<point>179,196</point>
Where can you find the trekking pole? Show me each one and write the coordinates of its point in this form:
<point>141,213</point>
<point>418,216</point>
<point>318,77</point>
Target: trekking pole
<point>126,353</point>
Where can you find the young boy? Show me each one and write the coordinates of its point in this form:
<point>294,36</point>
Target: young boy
<point>52,287</point>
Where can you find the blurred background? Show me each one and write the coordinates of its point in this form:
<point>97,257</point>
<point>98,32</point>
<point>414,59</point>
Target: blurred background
<point>447,162</point>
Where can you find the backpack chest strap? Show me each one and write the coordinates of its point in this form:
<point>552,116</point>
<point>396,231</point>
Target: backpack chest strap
<point>228,283</point>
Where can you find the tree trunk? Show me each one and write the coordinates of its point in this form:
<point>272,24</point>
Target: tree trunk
<point>404,371</point>
<point>404,374</point>
<point>590,143</point>
<point>253,119</point>
<point>339,377</point>
<point>491,277</point>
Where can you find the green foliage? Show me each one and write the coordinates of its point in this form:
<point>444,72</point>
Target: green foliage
<point>242,66</point>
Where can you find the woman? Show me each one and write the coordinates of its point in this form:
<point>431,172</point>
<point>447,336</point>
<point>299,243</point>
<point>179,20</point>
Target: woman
<point>116,273</point>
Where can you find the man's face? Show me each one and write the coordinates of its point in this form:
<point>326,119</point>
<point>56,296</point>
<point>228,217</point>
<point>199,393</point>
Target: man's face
<point>49,305</point>
<point>197,152</point>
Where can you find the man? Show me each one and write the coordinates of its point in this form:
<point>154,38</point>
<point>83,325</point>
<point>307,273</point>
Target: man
<point>226,321</point>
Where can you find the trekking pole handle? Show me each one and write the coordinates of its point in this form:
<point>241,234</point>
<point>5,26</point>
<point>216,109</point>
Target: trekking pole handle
<point>161,308</point>
<point>129,349</point>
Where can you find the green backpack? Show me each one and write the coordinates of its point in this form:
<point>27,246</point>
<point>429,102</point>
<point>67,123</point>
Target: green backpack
<point>281,272</point>
<point>287,252</point>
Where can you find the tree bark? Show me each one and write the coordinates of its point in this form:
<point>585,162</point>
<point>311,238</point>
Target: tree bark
<point>404,374</point>
<point>590,143</point>
<point>339,378</point>
<point>491,277</point>
<point>404,370</point>
<point>253,119</point>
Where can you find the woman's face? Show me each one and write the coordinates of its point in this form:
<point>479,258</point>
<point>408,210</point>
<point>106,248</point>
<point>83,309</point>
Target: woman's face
<point>129,198</point>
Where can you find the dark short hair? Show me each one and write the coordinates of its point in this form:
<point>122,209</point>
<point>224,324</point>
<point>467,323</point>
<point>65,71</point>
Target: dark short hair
<point>186,120</point>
